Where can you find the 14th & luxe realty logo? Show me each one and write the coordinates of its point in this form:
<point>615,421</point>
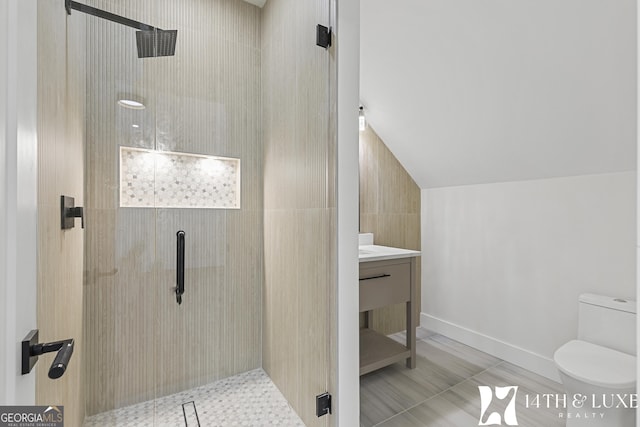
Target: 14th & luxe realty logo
<point>495,418</point>
<point>578,406</point>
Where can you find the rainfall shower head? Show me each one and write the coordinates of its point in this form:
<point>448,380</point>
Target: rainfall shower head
<point>152,43</point>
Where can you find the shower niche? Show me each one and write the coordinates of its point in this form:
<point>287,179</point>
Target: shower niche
<point>164,179</point>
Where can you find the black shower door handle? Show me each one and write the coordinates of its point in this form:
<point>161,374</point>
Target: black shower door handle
<point>180,266</point>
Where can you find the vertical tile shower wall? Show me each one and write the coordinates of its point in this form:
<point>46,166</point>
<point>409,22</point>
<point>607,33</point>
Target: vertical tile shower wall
<point>300,205</point>
<point>204,100</point>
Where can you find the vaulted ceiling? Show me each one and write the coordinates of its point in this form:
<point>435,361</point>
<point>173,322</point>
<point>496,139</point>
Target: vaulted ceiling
<point>467,91</point>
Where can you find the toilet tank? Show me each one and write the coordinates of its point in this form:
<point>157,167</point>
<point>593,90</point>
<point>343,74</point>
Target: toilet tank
<point>608,321</point>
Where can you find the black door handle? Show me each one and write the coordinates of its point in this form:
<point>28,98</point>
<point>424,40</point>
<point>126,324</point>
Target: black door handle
<point>375,277</point>
<point>180,266</point>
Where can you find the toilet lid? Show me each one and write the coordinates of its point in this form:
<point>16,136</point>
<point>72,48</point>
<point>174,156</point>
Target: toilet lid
<point>597,365</point>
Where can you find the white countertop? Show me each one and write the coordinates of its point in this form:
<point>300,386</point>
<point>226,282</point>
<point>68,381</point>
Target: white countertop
<point>378,253</point>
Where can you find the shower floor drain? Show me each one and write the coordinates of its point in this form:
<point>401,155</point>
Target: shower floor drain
<point>190,414</point>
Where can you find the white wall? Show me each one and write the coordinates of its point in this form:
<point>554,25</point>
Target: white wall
<point>4,59</point>
<point>503,264</point>
<point>18,194</point>
<point>637,196</point>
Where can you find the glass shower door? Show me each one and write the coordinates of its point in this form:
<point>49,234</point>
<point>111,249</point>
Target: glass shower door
<point>208,130</point>
<point>228,142</point>
<point>173,144</point>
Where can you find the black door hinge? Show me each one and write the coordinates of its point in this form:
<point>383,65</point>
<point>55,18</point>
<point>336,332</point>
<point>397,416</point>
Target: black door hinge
<point>323,404</point>
<point>323,36</point>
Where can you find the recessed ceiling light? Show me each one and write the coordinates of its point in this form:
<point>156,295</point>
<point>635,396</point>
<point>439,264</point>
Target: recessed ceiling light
<point>130,103</point>
<point>135,126</point>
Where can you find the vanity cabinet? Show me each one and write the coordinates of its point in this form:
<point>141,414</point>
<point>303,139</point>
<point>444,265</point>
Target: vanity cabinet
<point>383,283</point>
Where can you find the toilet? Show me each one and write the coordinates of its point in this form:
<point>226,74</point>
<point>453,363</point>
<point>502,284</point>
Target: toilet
<point>601,364</point>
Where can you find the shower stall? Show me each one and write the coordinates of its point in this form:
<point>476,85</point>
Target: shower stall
<point>209,201</point>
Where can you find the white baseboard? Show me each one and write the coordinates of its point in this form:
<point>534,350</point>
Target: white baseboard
<point>508,352</point>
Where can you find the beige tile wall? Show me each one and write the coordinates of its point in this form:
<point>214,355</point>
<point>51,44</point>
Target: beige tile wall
<point>61,107</point>
<point>300,265</point>
<point>206,99</point>
<point>389,208</point>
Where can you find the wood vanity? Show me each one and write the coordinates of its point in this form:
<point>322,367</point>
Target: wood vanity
<point>387,276</point>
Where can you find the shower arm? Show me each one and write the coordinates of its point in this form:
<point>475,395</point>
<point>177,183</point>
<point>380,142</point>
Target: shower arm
<point>69,5</point>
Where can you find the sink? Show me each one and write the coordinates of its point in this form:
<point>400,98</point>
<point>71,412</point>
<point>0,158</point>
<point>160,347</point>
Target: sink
<point>367,251</point>
<point>378,253</point>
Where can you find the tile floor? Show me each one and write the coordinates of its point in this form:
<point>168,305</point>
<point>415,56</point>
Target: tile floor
<point>443,389</point>
<point>248,399</point>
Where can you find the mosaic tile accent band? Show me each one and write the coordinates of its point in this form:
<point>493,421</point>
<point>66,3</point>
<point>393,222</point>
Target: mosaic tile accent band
<point>164,179</point>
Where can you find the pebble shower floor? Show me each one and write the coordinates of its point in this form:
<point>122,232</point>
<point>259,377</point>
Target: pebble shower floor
<point>248,399</point>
